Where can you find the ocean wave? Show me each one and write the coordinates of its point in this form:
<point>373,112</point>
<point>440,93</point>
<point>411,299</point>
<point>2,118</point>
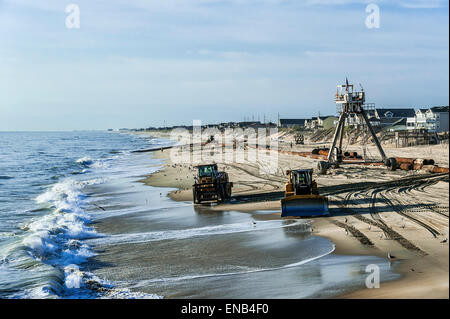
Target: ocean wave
<point>85,161</point>
<point>88,162</point>
<point>56,238</point>
<point>45,255</point>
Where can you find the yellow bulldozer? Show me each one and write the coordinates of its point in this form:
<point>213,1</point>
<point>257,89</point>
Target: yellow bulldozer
<point>211,185</point>
<point>302,197</point>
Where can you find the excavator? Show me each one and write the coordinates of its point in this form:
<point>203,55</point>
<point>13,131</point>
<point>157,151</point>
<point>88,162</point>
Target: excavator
<point>302,197</point>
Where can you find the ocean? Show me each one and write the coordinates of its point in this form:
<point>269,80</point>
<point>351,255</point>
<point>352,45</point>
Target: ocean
<point>76,222</point>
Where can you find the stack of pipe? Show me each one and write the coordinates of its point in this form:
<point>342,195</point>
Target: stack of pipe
<point>420,163</point>
<point>352,155</point>
<point>320,151</point>
<point>325,151</point>
<point>437,169</point>
<point>407,164</point>
<point>403,163</point>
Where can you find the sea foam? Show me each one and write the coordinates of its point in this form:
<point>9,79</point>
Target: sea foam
<point>56,238</point>
<point>85,161</point>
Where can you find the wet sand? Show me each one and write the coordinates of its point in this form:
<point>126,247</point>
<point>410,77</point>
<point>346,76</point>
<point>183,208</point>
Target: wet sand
<point>185,251</point>
<point>408,220</point>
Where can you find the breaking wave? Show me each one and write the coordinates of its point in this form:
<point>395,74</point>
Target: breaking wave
<point>56,238</point>
<point>85,161</point>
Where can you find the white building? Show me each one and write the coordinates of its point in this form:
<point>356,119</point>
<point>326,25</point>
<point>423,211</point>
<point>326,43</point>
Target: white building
<point>434,119</point>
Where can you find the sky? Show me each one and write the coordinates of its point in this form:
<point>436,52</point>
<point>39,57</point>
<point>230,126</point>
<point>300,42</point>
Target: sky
<point>137,63</point>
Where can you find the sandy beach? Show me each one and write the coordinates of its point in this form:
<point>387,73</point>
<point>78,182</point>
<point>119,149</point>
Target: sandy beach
<point>374,212</point>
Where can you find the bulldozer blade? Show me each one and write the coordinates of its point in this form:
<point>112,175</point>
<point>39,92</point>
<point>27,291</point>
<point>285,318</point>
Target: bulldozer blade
<point>304,206</point>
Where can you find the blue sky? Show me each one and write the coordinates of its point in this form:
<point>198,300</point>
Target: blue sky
<point>140,63</point>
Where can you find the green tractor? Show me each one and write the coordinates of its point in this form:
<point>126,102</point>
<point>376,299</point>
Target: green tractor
<point>211,185</point>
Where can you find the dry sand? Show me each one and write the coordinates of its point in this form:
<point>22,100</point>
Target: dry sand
<point>409,220</point>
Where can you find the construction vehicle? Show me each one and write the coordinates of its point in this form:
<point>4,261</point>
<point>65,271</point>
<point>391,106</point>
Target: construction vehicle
<point>299,139</point>
<point>302,197</point>
<point>211,185</point>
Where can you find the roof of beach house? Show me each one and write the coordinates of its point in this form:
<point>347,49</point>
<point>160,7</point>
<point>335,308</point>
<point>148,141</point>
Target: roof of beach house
<point>292,121</point>
<point>397,112</point>
<point>439,109</point>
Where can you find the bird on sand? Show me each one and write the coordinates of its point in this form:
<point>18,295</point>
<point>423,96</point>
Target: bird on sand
<point>403,226</point>
<point>345,219</point>
<point>370,227</point>
<point>444,241</point>
<point>346,232</point>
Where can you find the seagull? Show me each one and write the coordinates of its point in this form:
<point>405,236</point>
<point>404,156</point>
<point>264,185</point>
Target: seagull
<point>346,232</point>
<point>345,219</point>
<point>390,256</point>
<point>444,241</point>
<point>370,227</point>
<point>403,226</point>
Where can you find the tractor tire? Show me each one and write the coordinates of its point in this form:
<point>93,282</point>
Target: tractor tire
<point>194,196</point>
<point>221,194</point>
<point>228,191</point>
<point>322,166</point>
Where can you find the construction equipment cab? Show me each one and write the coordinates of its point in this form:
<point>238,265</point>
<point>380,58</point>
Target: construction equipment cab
<point>302,196</point>
<point>211,185</point>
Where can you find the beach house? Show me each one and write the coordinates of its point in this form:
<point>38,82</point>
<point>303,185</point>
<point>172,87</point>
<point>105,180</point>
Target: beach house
<point>434,119</point>
<point>288,123</point>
